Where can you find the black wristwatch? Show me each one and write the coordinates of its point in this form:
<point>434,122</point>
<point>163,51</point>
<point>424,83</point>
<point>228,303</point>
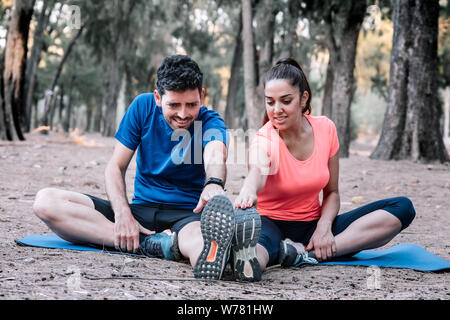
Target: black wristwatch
<point>215,181</point>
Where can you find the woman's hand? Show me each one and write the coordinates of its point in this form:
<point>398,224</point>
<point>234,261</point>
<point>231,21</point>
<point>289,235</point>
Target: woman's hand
<point>323,243</point>
<point>246,199</point>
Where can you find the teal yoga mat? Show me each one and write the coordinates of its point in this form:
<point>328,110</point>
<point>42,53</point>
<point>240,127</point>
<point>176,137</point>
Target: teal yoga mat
<point>403,256</point>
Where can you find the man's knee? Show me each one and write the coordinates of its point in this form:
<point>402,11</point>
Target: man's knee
<point>44,203</point>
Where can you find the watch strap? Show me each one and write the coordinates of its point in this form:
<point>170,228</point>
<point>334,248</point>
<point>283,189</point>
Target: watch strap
<point>215,181</point>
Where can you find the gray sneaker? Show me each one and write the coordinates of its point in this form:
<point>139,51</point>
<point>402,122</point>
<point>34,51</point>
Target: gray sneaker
<point>289,257</point>
<point>217,226</point>
<point>248,228</point>
<point>161,245</point>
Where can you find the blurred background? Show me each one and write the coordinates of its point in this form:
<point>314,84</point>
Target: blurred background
<point>379,69</point>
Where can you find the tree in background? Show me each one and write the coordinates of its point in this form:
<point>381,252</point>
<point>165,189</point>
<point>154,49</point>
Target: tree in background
<point>39,44</point>
<point>3,132</point>
<point>444,66</point>
<point>411,127</point>
<point>252,110</point>
<point>14,68</point>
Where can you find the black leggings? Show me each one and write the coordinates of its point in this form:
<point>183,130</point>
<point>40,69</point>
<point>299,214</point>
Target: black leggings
<point>273,231</point>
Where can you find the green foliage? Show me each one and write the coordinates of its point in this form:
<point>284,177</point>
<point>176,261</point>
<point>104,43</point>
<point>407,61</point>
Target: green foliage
<point>206,30</point>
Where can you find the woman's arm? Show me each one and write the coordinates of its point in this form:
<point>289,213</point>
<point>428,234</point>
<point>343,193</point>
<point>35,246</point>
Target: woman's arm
<point>322,241</point>
<point>259,163</point>
<point>331,201</point>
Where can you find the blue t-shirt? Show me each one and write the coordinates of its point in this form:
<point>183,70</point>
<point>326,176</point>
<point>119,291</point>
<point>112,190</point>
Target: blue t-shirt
<point>170,166</point>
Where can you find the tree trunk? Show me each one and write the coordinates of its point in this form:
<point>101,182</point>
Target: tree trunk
<point>33,62</point>
<point>114,83</point>
<point>117,65</point>
<point>233,82</point>
<point>52,109</point>
<point>68,114</point>
<point>15,64</point>
<point>290,35</point>
<point>254,115</point>
<point>266,54</point>
<point>67,51</point>
<point>90,107</point>
<point>61,107</point>
<point>346,30</point>
<point>411,125</point>
<point>327,101</point>
<point>446,95</point>
<point>96,125</point>
<point>3,131</point>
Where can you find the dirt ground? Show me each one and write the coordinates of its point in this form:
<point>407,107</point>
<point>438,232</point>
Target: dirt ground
<point>58,161</point>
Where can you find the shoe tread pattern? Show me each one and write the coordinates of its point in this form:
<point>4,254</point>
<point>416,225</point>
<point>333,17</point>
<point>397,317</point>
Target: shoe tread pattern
<point>217,224</point>
<point>248,229</point>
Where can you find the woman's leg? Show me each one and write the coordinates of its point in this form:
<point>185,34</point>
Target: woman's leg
<point>372,225</point>
<point>268,247</point>
<point>368,232</point>
<point>263,256</point>
<point>73,217</point>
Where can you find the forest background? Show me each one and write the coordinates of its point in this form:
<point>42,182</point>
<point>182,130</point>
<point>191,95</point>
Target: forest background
<point>77,65</point>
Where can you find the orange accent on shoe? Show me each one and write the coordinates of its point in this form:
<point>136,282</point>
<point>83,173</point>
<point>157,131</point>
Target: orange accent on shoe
<point>212,252</point>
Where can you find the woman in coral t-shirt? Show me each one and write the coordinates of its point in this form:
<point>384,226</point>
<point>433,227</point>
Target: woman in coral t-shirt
<point>292,159</point>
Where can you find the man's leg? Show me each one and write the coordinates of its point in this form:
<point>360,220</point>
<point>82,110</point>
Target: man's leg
<point>190,244</point>
<point>73,217</point>
<point>190,241</point>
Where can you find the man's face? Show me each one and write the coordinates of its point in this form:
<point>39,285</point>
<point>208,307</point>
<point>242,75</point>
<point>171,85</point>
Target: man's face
<point>180,109</point>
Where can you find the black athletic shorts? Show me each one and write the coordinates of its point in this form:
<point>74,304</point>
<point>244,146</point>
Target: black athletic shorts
<point>154,217</point>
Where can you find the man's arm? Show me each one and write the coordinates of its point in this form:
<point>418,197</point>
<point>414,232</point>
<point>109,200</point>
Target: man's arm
<point>214,157</point>
<point>126,228</point>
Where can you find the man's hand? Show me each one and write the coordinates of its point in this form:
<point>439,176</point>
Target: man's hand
<point>208,192</point>
<point>126,233</point>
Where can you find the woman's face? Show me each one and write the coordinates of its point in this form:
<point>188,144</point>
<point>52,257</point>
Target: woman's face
<point>283,103</point>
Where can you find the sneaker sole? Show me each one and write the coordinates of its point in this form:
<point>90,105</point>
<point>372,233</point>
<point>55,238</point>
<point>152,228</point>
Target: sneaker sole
<point>248,228</point>
<point>175,250</point>
<point>217,226</point>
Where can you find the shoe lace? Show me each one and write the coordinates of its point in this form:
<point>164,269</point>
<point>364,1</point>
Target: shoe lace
<point>303,258</point>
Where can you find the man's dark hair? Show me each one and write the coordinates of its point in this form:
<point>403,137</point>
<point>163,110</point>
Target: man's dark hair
<point>178,73</point>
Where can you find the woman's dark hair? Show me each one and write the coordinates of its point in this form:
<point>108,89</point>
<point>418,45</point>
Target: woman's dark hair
<point>178,73</point>
<point>289,69</point>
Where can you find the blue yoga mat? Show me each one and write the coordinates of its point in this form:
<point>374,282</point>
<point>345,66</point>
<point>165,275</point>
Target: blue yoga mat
<point>403,256</point>
<point>52,241</point>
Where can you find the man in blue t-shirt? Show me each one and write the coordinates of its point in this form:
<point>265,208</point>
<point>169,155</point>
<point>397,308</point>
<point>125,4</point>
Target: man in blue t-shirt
<point>181,154</point>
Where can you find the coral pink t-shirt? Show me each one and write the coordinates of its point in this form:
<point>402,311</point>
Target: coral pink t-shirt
<point>292,188</point>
